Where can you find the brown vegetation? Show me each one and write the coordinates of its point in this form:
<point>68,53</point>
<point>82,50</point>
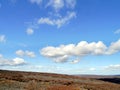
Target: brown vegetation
<point>14,80</point>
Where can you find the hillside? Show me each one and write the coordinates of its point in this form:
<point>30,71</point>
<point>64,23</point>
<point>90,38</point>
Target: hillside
<point>18,80</point>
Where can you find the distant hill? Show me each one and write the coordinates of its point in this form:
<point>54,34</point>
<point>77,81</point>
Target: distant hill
<point>99,76</point>
<point>19,80</point>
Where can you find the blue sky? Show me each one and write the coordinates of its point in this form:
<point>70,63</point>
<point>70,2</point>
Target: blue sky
<point>60,36</point>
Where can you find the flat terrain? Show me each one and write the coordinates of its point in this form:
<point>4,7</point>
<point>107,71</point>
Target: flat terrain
<point>16,80</point>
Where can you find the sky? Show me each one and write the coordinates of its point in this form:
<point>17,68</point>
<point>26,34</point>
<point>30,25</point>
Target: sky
<point>60,36</point>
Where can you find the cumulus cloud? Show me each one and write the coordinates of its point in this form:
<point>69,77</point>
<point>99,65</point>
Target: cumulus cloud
<point>18,61</point>
<point>13,62</point>
<point>117,31</point>
<point>30,54</point>
<point>38,2</point>
<point>81,49</point>
<point>58,22</point>
<point>63,53</point>
<point>29,31</point>
<point>60,58</point>
<point>22,53</point>
<point>114,47</point>
<point>2,38</point>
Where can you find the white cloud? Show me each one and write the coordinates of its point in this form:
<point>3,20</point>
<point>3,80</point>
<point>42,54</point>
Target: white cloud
<point>18,61</point>
<point>63,53</point>
<point>81,49</point>
<point>45,21</point>
<point>92,69</point>
<point>2,38</point>
<point>38,2</point>
<point>114,47</point>
<point>56,4</point>
<point>75,61</point>
<point>29,31</point>
<point>56,18</point>
<point>113,67</point>
<point>117,31</point>
<point>58,22</point>
<point>30,54</point>
<point>60,59</point>
<point>13,62</point>
<point>22,53</point>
